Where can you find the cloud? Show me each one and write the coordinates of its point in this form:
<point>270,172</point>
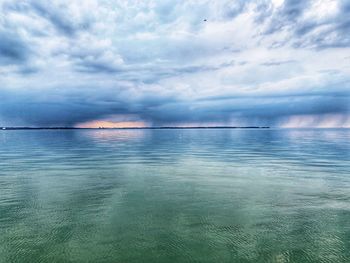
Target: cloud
<point>13,49</point>
<point>161,63</point>
<point>311,24</point>
<point>63,16</point>
<point>277,63</point>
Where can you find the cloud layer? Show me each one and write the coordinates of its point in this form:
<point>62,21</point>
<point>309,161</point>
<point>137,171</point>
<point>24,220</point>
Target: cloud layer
<point>278,63</point>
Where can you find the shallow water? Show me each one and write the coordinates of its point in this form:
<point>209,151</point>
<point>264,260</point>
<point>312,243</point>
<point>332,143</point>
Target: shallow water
<point>175,196</point>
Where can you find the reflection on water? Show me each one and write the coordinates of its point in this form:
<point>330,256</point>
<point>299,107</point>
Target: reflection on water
<point>175,196</point>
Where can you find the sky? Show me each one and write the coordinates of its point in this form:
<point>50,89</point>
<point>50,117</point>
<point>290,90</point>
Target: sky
<point>143,63</point>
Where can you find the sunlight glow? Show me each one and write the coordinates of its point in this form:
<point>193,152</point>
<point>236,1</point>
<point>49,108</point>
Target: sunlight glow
<point>110,124</point>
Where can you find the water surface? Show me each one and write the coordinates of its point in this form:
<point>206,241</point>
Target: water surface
<point>223,195</point>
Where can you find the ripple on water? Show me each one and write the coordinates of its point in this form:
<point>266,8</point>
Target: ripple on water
<point>175,196</point>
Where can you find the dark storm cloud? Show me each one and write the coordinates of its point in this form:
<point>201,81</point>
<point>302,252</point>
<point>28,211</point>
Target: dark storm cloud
<point>67,107</point>
<point>292,9</point>
<point>58,19</point>
<point>31,107</point>
<point>247,108</point>
<point>286,15</point>
<point>332,31</point>
<point>57,15</point>
<point>13,50</point>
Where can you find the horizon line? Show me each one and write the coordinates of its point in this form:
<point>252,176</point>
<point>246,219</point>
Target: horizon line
<point>130,128</point>
<point>157,128</point>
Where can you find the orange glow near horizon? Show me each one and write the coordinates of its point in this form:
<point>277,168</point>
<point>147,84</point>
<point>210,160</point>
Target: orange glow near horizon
<point>110,124</point>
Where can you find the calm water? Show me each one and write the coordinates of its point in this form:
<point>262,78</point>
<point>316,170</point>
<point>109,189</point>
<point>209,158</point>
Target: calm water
<point>175,196</point>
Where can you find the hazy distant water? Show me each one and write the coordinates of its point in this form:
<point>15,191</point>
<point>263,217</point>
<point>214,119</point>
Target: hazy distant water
<point>175,196</point>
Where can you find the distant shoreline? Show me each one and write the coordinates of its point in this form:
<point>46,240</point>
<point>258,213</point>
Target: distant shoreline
<point>134,128</point>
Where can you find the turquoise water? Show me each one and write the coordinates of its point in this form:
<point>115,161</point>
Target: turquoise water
<point>175,196</point>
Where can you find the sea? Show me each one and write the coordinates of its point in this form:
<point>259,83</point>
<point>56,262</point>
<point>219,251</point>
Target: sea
<point>175,195</point>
